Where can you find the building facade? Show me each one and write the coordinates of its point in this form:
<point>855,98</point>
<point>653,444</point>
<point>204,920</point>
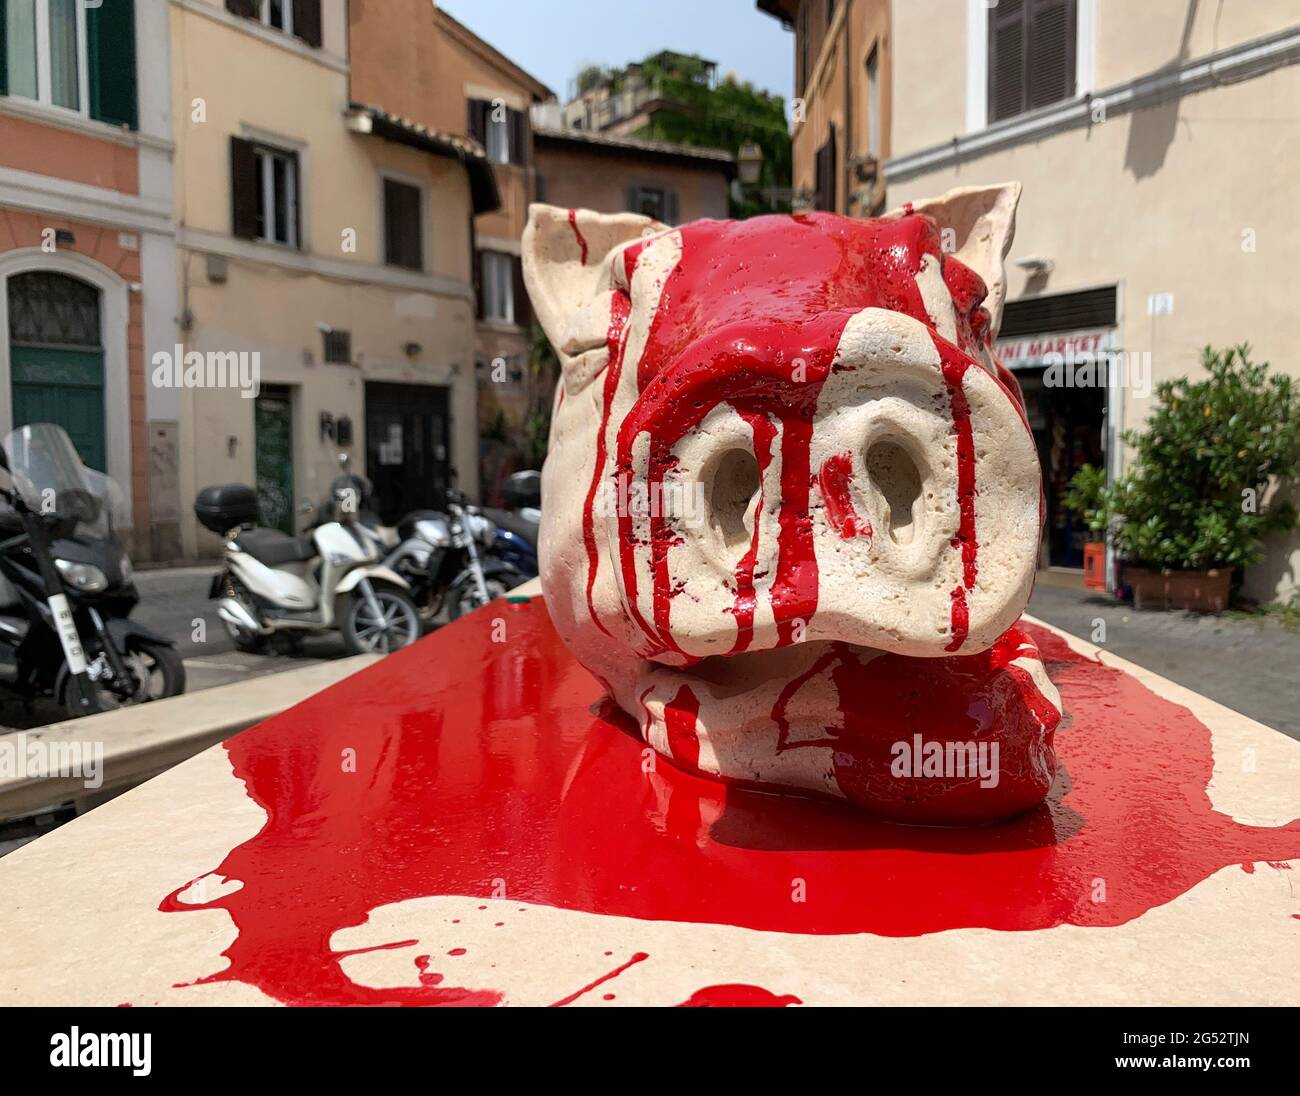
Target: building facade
<point>326,232</point>
<point>1151,223</point>
<point>674,184</point>
<point>841,109</point>
<point>434,70</point>
<point>87,247</point>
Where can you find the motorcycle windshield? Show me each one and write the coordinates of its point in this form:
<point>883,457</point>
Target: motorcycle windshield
<point>49,475</point>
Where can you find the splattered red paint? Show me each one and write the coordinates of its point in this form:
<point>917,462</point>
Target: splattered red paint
<point>834,479</point>
<point>586,829</point>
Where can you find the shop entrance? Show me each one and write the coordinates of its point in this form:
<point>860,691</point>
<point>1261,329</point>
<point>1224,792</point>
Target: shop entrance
<point>1069,427</point>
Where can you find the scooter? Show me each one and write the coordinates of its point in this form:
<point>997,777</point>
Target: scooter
<point>444,557</point>
<point>66,592</point>
<point>273,583</point>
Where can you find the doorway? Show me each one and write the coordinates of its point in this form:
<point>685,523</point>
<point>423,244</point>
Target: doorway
<point>56,358</point>
<point>1068,425</point>
<point>408,441</point>
<point>273,433</point>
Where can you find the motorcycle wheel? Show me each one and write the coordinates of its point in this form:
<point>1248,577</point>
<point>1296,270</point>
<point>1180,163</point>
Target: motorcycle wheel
<point>159,672</point>
<point>397,626</point>
<point>464,597</point>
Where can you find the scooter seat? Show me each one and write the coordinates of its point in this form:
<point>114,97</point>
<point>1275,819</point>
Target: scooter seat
<point>272,547</point>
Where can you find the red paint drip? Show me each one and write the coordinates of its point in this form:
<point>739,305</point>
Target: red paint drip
<point>681,716</point>
<point>746,603</point>
<point>452,782</point>
<point>765,347</point>
<point>577,233</point>
<point>835,480</point>
<point>737,996</point>
<point>616,343</point>
<point>955,364</point>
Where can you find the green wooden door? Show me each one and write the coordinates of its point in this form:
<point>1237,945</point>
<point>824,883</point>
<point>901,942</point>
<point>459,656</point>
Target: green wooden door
<point>66,387</point>
<point>56,356</point>
<point>273,423</point>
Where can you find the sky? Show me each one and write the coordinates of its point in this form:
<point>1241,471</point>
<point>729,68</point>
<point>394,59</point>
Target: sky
<point>553,39</point>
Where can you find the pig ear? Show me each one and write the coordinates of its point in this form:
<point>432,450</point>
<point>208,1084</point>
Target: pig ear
<point>983,224</point>
<point>563,258</point>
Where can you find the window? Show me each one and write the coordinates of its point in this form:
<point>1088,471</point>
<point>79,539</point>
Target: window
<point>264,186</point>
<point>500,129</point>
<point>277,14</point>
<point>403,225</point>
<point>498,137</point>
<point>873,105</point>
<point>299,18</point>
<point>655,202</point>
<point>338,347</point>
<point>497,279</point>
<point>1031,55</point>
<point>45,51</point>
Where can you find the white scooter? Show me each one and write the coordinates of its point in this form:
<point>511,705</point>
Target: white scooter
<point>274,583</point>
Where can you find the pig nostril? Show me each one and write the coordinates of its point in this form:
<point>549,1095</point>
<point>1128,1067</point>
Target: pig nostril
<point>895,476</point>
<point>731,492</point>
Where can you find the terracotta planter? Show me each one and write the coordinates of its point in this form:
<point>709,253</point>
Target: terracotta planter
<point>1200,591</point>
<point>1094,565</point>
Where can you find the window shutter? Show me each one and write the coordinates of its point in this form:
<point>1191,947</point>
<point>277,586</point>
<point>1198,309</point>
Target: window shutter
<point>1051,52</point>
<point>670,207</point>
<point>1007,60</point>
<point>245,9</point>
<point>633,199</point>
<point>477,120</point>
<point>523,306</point>
<point>519,137</point>
<point>403,228</point>
<point>825,181</point>
<point>306,21</point>
<point>110,62</point>
<point>4,51</point>
<point>243,188</point>
<point>478,284</point>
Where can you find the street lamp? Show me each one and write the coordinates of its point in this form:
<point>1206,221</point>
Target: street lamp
<point>750,162</point>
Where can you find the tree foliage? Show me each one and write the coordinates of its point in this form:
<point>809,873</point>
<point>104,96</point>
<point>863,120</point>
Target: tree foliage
<point>726,115</point>
<point>1194,496</point>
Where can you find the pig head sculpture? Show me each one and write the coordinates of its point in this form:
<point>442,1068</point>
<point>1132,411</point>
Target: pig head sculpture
<point>792,507</point>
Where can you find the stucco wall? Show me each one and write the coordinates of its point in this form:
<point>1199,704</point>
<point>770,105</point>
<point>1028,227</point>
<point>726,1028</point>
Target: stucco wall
<point>274,300</point>
<point>1179,197</point>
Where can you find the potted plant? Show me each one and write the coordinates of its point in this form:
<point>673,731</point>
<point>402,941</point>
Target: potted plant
<point>1190,509</point>
<point>1086,499</point>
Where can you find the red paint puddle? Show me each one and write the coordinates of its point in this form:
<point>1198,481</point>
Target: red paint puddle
<point>457,787</point>
<point>737,996</point>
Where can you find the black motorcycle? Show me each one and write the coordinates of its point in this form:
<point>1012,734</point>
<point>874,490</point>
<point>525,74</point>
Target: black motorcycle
<point>66,592</point>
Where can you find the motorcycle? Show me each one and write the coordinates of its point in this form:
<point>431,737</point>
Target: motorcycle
<point>517,526</point>
<point>444,557</point>
<point>332,579</point>
<point>66,591</point>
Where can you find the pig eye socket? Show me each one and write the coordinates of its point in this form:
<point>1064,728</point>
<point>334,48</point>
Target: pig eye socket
<point>730,490</point>
<point>898,481</point>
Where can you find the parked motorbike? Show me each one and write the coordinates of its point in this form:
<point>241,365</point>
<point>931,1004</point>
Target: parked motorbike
<point>444,557</point>
<point>333,578</point>
<point>517,526</point>
<point>66,591</point>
